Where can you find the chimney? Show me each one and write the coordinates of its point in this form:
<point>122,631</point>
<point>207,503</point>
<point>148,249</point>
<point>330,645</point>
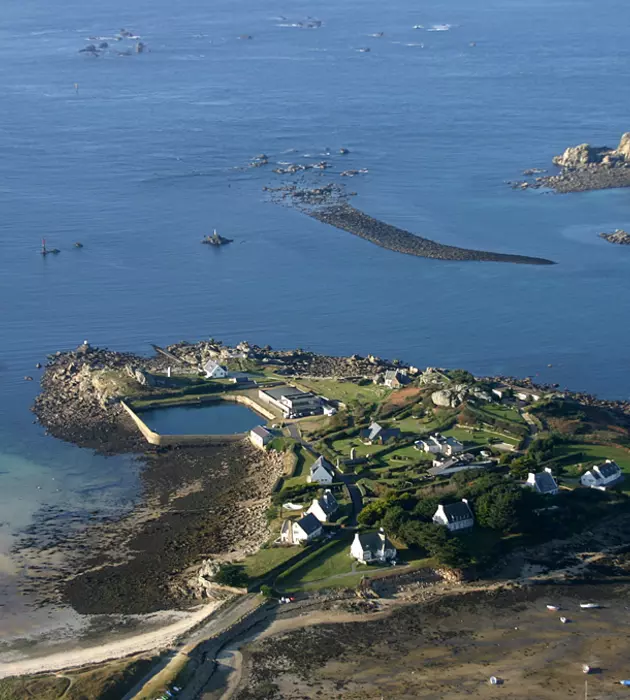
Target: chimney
<point>548,470</point>
<point>168,372</point>
<point>465,500</point>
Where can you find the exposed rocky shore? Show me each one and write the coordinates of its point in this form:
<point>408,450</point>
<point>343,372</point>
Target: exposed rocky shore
<point>619,236</point>
<point>587,167</point>
<point>347,218</point>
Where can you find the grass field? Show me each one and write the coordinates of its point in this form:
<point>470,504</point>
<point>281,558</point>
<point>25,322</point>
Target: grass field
<point>331,562</point>
<point>593,453</point>
<point>503,412</point>
<point>109,681</point>
<point>261,563</point>
<point>478,437</point>
<point>347,392</point>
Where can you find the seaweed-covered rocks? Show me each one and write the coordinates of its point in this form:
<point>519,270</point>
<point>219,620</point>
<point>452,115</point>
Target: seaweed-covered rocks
<point>618,236</point>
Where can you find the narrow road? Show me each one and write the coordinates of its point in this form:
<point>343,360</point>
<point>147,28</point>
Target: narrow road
<point>347,479</point>
<point>219,621</point>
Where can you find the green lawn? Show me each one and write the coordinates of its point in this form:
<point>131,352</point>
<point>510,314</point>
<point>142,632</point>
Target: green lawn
<point>265,560</point>
<point>414,426</point>
<point>331,562</point>
<point>503,412</point>
<point>478,437</point>
<point>593,453</point>
<point>344,446</point>
<point>305,460</point>
<point>347,392</point>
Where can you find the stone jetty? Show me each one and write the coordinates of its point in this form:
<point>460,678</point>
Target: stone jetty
<point>344,216</point>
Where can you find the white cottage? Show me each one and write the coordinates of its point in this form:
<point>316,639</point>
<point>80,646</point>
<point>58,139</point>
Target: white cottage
<point>325,507</point>
<point>454,516</point>
<point>370,547</point>
<point>214,370</point>
<point>322,472</point>
<point>602,476</point>
<point>303,530</point>
<point>543,482</point>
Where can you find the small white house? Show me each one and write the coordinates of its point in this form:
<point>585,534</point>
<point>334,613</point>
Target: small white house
<point>439,445</point>
<point>214,370</point>
<point>260,437</point>
<point>543,482</point>
<point>305,529</point>
<point>370,547</point>
<point>322,472</point>
<point>325,507</point>
<point>455,516</point>
<point>602,476</point>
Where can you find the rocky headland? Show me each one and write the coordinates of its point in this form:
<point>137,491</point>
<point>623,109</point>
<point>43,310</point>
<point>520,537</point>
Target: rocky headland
<point>586,167</point>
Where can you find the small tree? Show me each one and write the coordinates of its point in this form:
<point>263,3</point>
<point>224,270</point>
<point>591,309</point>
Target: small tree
<point>266,591</point>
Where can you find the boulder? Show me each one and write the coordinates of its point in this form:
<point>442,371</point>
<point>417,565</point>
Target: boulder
<point>624,146</point>
<point>580,156</point>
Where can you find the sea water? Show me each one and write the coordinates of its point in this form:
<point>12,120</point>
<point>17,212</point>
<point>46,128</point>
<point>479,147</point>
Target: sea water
<point>138,157</point>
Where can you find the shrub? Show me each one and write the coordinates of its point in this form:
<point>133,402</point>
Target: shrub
<point>231,575</point>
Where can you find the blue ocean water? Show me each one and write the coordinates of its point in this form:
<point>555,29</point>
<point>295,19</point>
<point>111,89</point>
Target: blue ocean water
<point>145,157</point>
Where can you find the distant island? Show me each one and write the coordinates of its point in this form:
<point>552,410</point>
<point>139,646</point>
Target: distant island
<point>585,168</point>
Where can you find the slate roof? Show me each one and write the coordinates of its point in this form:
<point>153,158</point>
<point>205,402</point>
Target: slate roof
<point>277,392</point>
<point>261,431</point>
<point>309,523</point>
<point>376,431</point>
<point>608,469</point>
<point>321,462</point>
<point>545,483</point>
<point>372,541</point>
<point>210,365</point>
<point>328,503</point>
<point>456,512</point>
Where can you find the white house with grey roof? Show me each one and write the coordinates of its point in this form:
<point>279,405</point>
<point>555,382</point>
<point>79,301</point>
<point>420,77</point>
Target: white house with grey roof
<point>214,370</point>
<point>602,476</point>
<point>260,436</point>
<point>305,529</point>
<point>368,547</point>
<point>543,482</point>
<point>325,507</point>
<point>454,516</point>
<point>322,472</point>
<point>438,444</point>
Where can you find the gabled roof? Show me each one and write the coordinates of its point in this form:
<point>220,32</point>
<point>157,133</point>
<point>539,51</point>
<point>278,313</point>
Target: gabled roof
<point>608,469</point>
<point>328,503</point>
<point>374,541</point>
<point>373,431</point>
<point>544,482</point>
<point>210,365</point>
<point>321,463</point>
<point>261,431</point>
<point>309,524</point>
<point>456,512</point>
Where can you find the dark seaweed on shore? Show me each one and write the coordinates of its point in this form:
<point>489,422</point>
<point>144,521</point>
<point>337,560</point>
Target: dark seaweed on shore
<point>346,217</point>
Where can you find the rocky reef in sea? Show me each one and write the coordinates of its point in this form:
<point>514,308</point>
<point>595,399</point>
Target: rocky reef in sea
<point>586,167</point>
<point>618,236</point>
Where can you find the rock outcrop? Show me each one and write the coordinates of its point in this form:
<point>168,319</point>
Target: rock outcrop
<point>586,167</point>
<point>618,236</point>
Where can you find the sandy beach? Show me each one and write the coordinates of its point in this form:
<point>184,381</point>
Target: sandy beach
<point>165,635</point>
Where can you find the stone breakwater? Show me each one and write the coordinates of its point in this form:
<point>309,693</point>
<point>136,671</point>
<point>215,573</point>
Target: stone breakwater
<point>347,218</point>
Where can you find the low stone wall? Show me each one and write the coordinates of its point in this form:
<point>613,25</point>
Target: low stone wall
<point>154,438</point>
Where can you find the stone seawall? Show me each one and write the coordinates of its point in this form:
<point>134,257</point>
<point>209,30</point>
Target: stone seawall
<point>154,438</point>
<point>349,219</point>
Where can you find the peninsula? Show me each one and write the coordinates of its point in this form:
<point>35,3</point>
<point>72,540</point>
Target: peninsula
<point>357,463</point>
